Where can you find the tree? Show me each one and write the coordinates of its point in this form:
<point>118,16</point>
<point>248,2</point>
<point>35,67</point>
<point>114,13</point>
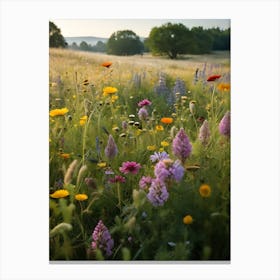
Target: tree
<point>124,42</point>
<point>99,47</point>
<point>56,40</point>
<point>202,41</point>
<point>170,39</point>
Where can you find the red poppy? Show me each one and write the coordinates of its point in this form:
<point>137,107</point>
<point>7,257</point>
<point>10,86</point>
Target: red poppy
<point>213,78</point>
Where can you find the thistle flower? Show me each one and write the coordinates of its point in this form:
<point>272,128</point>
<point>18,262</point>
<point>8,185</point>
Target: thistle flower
<point>157,156</point>
<point>143,114</point>
<point>204,133</point>
<point>224,125</point>
<point>102,239</point>
<point>181,146</point>
<point>130,167</point>
<point>145,182</point>
<point>144,102</point>
<point>111,150</point>
<point>158,193</point>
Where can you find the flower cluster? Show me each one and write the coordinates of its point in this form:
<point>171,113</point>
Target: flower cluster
<point>181,146</point>
<point>158,193</point>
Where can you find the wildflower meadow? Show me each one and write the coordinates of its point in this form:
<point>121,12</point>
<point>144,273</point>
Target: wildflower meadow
<point>139,157</point>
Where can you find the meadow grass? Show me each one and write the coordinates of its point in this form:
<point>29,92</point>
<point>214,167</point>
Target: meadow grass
<point>100,207</point>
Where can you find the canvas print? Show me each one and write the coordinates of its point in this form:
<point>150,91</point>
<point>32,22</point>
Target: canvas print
<point>139,140</point>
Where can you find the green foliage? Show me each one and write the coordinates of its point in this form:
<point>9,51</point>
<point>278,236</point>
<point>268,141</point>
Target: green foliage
<point>124,42</point>
<point>56,40</point>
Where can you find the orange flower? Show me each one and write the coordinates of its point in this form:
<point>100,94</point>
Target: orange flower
<point>224,87</point>
<point>167,120</point>
<point>106,64</point>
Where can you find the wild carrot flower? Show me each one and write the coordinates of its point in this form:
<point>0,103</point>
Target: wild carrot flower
<point>102,239</point>
<point>213,78</point>
<point>144,102</point>
<point>181,145</point>
<point>117,179</point>
<point>224,125</point>
<point>111,149</point>
<point>143,114</point>
<point>157,156</point>
<point>205,190</point>
<point>58,112</point>
<point>130,167</point>
<point>167,120</point>
<point>145,182</point>
<point>109,91</point>
<point>83,120</point>
<point>204,133</point>
<point>60,194</point>
<point>158,193</point>
<point>81,196</point>
<point>187,220</point>
<point>106,64</point>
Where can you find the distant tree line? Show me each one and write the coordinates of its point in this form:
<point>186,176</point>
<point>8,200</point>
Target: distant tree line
<point>169,39</point>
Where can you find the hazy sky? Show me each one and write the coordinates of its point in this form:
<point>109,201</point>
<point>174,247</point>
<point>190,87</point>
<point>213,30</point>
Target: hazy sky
<point>142,27</point>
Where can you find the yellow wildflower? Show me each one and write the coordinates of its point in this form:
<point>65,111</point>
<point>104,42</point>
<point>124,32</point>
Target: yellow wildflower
<point>114,98</point>
<point>164,143</point>
<point>187,220</point>
<point>159,128</point>
<point>65,156</point>
<point>161,150</point>
<point>224,87</point>
<point>58,112</point>
<point>83,120</point>
<point>59,193</point>
<point>205,190</point>
<point>101,164</point>
<point>109,90</point>
<point>81,196</point>
<point>151,148</point>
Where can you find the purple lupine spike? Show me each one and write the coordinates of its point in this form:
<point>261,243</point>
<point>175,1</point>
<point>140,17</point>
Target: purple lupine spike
<point>111,149</point>
<point>181,145</point>
<point>102,239</point>
<point>158,193</point>
<point>204,133</point>
<point>224,125</point>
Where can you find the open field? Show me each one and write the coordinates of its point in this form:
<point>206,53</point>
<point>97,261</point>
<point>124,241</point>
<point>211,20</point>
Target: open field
<point>139,157</point>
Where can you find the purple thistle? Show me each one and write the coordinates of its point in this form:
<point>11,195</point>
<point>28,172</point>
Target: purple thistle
<point>102,239</point>
<point>158,193</point>
<point>144,102</point>
<point>111,149</point>
<point>157,156</point>
<point>145,182</point>
<point>204,133</point>
<point>181,145</point>
<point>224,126</point>
<point>143,114</point>
<point>168,169</point>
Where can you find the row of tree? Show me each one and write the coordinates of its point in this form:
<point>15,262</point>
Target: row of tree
<point>169,39</point>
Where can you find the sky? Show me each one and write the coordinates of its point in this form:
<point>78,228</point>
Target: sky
<point>142,27</point>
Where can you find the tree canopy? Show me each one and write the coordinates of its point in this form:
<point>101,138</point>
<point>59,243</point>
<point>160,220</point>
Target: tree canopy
<point>56,40</point>
<point>124,42</point>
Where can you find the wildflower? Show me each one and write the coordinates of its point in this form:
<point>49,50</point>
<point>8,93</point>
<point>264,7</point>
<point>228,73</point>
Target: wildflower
<point>159,156</point>
<point>159,128</point>
<point>213,78</point>
<point>145,182</point>
<point>158,193</point>
<point>65,156</point>
<point>168,169</point>
<point>151,148</point>
<point>117,179</point>
<point>58,112</point>
<point>106,64</point>
<point>109,91</point>
<point>102,239</point>
<point>131,116</point>
<point>124,125</point>
<point>223,87</point>
<point>179,87</point>
<point>224,125</point>
<point>144,102</point>
<point>83,120</point>
<point>164,143</point>
<point>60,194</point>
<point>192,106</point>
<point>111,149</point>
<point>114,98</point>
<point>130,167</point>
<point>181,145</point>
<point>167,120</point>
<point>204,133</point>
<point>187,220</point>
<point>143,114</point>
<point>101,164</point>
<point>81,196</point>
<point>205,190</point>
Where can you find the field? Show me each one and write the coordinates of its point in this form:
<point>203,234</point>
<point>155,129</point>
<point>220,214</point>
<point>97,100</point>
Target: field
<point>139,156</point>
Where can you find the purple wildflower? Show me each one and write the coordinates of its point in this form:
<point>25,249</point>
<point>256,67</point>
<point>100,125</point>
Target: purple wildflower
<point>102,239</point>
<point>117,179</point>
<point>144,102</point>
<point>124,125</point>
<point>224,126</point>
<point>111,149</point>
<point>130,167</point>
<point>181,145</point>
<point>143,114</point>
<point>204,133</point>
<point>168,169</point>
<point>157,156</point>
<point>158,193</point>
<point>145,182</point>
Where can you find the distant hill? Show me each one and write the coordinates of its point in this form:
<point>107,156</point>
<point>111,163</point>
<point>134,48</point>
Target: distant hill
<point>89,40</point>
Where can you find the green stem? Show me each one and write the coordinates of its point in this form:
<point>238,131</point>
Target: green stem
<point>119,195</point>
